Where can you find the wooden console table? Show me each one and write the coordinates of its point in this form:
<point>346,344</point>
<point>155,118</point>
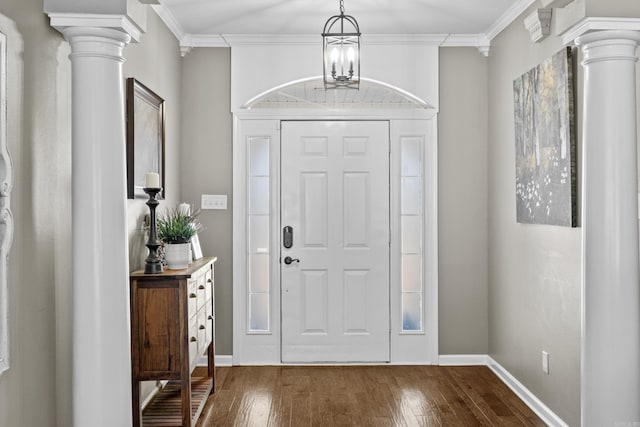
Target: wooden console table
<point>172,324</point>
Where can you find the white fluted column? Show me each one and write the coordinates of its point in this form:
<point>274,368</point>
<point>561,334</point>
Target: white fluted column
<point>611,290</point>
<point>101,348</point>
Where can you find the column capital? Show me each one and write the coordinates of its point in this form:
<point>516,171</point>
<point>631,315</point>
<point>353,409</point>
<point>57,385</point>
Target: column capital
<point>96,42</point>
<point>120,23</point>
<point>609,45</point>
<point>625,27</point>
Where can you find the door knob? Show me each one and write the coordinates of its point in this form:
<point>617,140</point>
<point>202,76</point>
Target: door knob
<point>288,260</point>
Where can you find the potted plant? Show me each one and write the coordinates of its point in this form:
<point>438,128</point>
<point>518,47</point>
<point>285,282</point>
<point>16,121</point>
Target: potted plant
<point>176,227</point>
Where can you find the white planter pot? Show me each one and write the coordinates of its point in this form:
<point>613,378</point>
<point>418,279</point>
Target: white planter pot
<point>177,255</point>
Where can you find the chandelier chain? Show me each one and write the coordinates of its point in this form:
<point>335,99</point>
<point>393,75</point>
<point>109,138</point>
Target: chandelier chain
<point>342,7</point>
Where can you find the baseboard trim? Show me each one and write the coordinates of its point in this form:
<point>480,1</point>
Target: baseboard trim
<point>530,399</point>
<point>535,404</point>
<point>152,394</point>
<point>219,360</point>
<point>462,360</point>
<point>224,360</point>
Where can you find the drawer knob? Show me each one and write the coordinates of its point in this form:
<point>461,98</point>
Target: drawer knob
<point>192,295</point>
<point>193,339</point>
<point>202,327</point>
<point>201,287</point>
<point>209,281</point>
<point>209,317</point>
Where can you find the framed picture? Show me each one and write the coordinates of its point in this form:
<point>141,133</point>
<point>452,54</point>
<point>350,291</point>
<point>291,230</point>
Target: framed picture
<point>195,248</point>
<point>145,137</point>
<point>545,143</point>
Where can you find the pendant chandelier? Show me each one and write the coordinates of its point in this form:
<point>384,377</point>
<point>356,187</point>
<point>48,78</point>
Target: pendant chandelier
<point>341,51</point>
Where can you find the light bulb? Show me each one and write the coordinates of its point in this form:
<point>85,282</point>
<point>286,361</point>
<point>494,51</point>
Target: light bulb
<point>334,55</point>
<point>351,54</point>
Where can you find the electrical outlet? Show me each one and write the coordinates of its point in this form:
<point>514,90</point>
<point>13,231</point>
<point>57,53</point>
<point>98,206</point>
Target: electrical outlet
<point>213,201</point>
<point>545,362</point>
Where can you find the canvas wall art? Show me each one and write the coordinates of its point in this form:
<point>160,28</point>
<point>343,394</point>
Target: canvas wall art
<point>545,143</point>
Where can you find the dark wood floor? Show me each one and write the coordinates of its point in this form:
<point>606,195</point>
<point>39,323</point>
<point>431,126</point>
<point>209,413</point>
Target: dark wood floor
<point>363,396</point>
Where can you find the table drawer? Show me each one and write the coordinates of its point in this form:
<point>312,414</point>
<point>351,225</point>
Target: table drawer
<point>201,291</point>
<point>193,340</point>
<point>208,284</point>
<point>192,296</point>
<point>203,340</point>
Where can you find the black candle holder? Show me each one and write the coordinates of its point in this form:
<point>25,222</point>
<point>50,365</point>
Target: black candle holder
<point>153,263</point>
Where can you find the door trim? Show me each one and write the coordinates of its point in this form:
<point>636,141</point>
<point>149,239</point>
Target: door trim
<point>264,348</point>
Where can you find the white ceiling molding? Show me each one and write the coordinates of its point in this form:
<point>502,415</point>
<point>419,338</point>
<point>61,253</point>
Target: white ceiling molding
<point>404,39</point>
<point>538,24</point>
<point>555,4</point>
<point>480,41</point>
<point>123,23</point>
<point>508,17</point>
<point>271,39</point>
<point>170,21</point>
<point>203,40</point>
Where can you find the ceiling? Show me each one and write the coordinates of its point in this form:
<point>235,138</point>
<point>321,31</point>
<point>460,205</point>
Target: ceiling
<point>222,17</point>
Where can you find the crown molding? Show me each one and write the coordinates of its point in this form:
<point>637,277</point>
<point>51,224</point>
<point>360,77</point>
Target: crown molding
<point>480,41</point>
<point>170,21</point>
<point>62,21</point>
<point>203,40</point>
<point>404,39</point>
<point>270,39</point>
<point>600,24</point>
<point>226,40</point>
<point>508,17</point>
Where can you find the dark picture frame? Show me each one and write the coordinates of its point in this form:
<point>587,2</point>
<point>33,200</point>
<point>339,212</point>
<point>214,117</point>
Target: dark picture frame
<point>145,137</point>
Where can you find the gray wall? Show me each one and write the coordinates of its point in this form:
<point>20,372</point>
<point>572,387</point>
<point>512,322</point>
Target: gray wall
<point>462,202</point>
<point>157,64</point>
<point>206,167</point>
<point>534,270</point>
<point>39,79</point>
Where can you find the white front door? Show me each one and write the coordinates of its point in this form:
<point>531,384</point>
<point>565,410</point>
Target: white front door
<point>335,198</point>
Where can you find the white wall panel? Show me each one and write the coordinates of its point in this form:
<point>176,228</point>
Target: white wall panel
<point>411,67</point>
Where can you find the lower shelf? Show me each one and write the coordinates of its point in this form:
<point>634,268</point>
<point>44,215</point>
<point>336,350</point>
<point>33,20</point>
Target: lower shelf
<point>164,409</point>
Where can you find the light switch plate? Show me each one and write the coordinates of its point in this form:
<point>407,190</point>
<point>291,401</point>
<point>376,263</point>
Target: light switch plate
<point>213,201</point>
<point>545,362</point>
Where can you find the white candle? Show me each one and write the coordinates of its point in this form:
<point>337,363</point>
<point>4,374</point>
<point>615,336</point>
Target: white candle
<point>185,208</point>
<point>152,180</point>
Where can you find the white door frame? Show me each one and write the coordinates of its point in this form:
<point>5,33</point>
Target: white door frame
<point>263,347</point>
